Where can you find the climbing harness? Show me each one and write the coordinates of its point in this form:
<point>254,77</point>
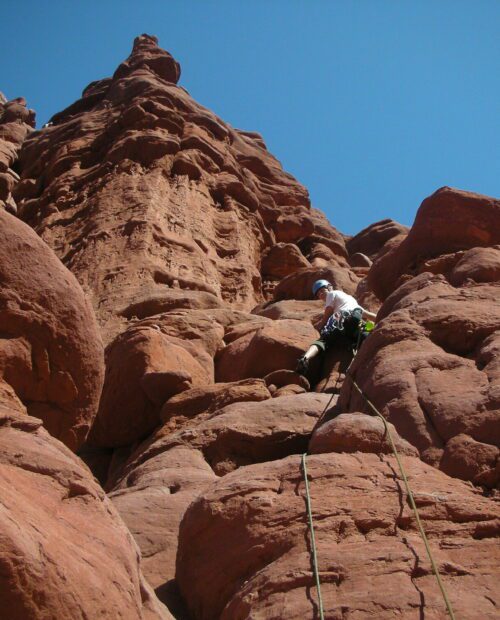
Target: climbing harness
<point>408,490</point>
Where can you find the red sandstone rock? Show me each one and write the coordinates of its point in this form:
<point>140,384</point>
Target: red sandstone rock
<point>167,472</point>
<point>357,433</point>
<point>253,551</point>
<point>50,349</point>
<point>64,551</point>
<point>144,367</point>
<point>431,367</point>
<point>299,284</point>
<point>282,259</point>
<point>471,460</point>
<point>372,239</point>
<point>241,433</point>
<point>180,201</point>
<point>448,221</point>
<point>152,499</point>
<point>282,378</point>
<point>477,264</point>
<point>172,221</point>
<point>309,310</point>
<point>16,123</point>
<point>275,346</point>
<point>208,399</point>
<point>360,260</point>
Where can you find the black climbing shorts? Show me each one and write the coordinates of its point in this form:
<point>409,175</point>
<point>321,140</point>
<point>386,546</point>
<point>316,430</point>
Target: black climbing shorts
<point>347,325</point>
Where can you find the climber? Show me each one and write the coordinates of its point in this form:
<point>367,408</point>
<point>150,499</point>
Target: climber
<point>342,313</point>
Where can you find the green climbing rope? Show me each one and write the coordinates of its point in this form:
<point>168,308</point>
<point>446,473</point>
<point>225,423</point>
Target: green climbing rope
<point>410,496</point>
<point>313,539</point>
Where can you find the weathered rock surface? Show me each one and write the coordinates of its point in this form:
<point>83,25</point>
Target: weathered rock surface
<point>359,432</point>
<point>50,348</point>
<point>166,473</point>
<point>275,346</point>
<point>431,367</point>
<point>65,553</point>
<point>16,123</point>
<point>144,368</point>
<point>144,194</point>
<point>298,285</point>
<point>151,500</point>
<point>373,239</point>
<point>447,223</point>
<point>253,551</point>
<point>198,252</point>
<point>291,309</point>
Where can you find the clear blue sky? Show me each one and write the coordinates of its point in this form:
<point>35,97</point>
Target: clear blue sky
<point>371,104</point>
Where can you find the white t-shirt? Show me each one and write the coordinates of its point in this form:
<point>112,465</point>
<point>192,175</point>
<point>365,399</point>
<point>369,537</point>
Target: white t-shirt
<point>339,301</point>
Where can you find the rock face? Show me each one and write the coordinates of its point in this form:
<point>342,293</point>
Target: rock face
<point>197,253</point>
<point>448,223</point>
<point>373,240</point>
<point>59,531</point>
<point>146,195</point>
<point>253,554</point>
<point>16,123</point>
<point>50,348</point>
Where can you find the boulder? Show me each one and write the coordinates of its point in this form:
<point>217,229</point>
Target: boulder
<point>291,309</point>
<point>431,367</point>
<point>65,551</point>
<point>275,346</point>
<point>356,432</point>
<point>360,260</point>
<point>144,368</point>
<point>465,458</point>
<point>299,284</point>
<point>152,499</point>
<point>282,259</point>
<point>373,239</point>
<point>51,352</point>
<point>448,221</point>
<point>208,399</point>
<point>254,556</point>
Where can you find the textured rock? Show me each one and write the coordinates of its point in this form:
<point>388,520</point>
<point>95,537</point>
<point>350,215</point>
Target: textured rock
<point>447,222</point>
<point>242,433</point>
<point>50,349</point>
<point>281,260</point>
<point>431,366</point>
<point>471,460</point>
<point>372,239</point>
<point>357,433</point>
<point>298,285</point>
<point>145,194</point>
<point>16,123</point>
<point>275,346</point>
<point>177,226</point>
<point>64,551</point>
<point>360,260</point>
<point>281,378</point>
<point>152,499</point>
<point>291,309</point>
<point>167,472</point>
<point>253,553</point>
<point>208,399</point>
<point>144,367</point>
<point>477,264</point>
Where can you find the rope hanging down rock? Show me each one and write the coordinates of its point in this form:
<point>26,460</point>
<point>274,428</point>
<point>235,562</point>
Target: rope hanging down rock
<point>410,497</point>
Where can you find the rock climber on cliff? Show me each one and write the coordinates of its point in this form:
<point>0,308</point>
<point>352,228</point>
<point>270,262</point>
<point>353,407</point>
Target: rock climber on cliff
<point>342,313</point>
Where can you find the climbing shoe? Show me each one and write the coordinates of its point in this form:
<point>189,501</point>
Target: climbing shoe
<point>302,365</point>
